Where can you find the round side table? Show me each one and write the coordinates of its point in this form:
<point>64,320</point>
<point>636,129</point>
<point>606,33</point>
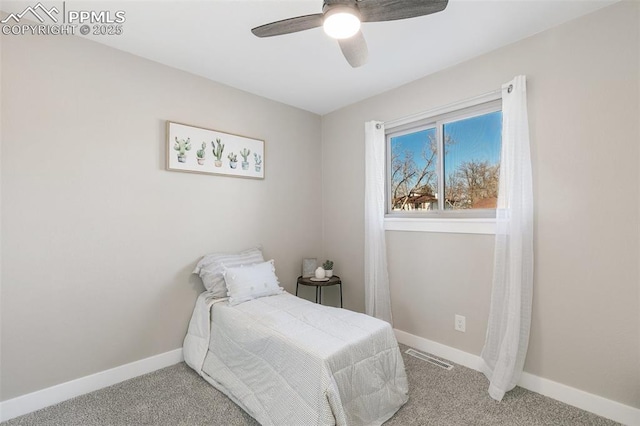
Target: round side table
<point>334,280</point>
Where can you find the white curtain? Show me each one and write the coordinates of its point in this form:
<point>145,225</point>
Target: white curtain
<point>376,276</point>
<point>507,336</point>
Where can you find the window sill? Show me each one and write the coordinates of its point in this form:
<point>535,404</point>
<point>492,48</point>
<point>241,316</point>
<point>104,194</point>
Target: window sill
<point>444,225</point>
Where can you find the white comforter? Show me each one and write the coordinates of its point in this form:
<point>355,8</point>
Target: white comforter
<point>287,361</point>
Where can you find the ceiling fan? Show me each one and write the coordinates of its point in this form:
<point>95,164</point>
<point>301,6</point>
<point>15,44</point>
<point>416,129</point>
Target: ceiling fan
<point>341,20</point>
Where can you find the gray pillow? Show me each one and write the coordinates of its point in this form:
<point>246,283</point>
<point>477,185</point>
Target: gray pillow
<point>211,266</point>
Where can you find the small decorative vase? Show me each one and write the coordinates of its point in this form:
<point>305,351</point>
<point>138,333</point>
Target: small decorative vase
<point>245,165</point>
<point>201,161</point>
<point>328,273</point>
<point>182,158</point>
<point>218,163</point>
<point>233,164</point>
<point>319,273</point>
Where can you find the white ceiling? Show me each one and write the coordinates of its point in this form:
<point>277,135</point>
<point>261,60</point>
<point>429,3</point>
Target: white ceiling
<point>307,70</point>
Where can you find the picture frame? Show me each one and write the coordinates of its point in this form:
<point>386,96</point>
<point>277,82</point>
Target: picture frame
<point>309,266</point>
<point>199,150</point>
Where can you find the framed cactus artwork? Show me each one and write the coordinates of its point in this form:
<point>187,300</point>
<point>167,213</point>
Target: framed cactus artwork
<point>199,150</point>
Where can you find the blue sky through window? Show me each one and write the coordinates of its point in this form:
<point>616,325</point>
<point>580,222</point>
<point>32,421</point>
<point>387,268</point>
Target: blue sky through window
<point>476,139</point>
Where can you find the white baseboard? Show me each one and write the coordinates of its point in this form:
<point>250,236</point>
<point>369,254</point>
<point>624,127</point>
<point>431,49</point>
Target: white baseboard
<point>40,399</point>
<point>43,398</point>
<point>604,407</point>
<point>613,410</point>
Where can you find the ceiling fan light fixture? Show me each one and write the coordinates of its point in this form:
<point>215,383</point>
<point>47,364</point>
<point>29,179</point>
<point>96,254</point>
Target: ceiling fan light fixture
<point>341,22</point>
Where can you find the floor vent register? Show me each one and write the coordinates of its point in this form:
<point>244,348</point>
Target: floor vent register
<point>429,359</point>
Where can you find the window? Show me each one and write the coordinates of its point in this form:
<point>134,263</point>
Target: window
<point>447,165</point>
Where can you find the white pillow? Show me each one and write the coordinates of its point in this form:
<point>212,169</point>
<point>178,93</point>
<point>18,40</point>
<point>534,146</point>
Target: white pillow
<point>210,268</point>
<point>251,282</point>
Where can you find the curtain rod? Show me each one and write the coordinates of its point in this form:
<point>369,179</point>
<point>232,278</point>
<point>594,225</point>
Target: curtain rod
<point>486,97</point>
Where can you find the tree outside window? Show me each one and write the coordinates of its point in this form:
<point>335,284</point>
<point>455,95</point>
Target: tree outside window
<point>457,158</point>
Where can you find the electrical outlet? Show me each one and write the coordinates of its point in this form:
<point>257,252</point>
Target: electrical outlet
<point>460,323</point>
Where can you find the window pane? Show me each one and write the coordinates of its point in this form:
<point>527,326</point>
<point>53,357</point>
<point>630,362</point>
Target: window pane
<point>472,162</point>
<point>413,171</point>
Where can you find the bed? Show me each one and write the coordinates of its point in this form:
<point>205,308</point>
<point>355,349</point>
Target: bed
<point>287,361</point>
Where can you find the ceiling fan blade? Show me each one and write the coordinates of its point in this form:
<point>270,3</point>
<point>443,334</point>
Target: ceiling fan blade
<point>355,49</point>
<point>287,26</point>
<point>391,10</point>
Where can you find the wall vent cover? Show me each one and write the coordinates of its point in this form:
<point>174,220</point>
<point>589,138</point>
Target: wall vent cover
<point>429,359</point>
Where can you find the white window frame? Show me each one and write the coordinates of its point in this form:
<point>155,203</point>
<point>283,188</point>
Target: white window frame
<point>478,221</point>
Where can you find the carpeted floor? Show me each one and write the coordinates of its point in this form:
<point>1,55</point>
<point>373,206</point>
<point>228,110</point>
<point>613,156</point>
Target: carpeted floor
<point>178,396</point>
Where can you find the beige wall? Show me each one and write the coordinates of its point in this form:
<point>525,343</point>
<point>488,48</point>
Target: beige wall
<point>98,240</point>
<point>583,87</point>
